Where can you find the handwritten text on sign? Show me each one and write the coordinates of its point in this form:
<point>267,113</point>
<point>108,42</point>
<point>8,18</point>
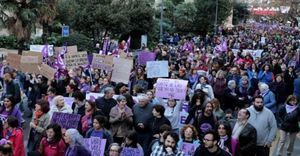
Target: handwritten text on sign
<point>47,71</point>
<point>171,88</point>
<point>95,145</point>
<point>104,62</point>
<point>126,151</point>
<point>157,69</point>
<point>66,120</point>
<point>73,60</point>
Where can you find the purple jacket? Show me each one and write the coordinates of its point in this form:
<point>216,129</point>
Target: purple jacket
<point>15,112</point>
<point>77,151</point>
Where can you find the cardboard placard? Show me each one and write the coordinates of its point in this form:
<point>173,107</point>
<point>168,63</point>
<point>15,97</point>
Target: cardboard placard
<point>70,49</point>
<point>157,69</point>
<point>47,71</point>
<point>14,60</point>
<point>66,120</point>
<point>30,64</point>
<point>95,145</point>
<point>121,70</point>
<point>104,62</point>
<point>73,60</point>
<point>171,88</point>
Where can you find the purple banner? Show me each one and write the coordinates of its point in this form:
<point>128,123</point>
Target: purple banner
<point>188,149</point>
<point>126,151</point>
<point>66,120</point>
<point>144,56</point>
<point>171,88</point>
<point>95,145</point>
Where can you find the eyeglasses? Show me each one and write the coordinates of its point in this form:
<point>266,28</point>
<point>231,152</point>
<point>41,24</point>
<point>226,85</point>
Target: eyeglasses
<point>206,140</point>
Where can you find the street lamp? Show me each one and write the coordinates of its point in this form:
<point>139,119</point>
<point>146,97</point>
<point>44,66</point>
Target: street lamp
<point>161,22</point>
<point>216,17</point>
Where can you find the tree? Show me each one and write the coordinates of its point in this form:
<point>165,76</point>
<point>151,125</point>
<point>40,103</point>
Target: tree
<point>240,12</point>
<point>206,12</point>
<point>185,16</point>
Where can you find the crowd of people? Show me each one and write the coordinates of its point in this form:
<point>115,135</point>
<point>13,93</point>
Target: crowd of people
<point>238,101</point>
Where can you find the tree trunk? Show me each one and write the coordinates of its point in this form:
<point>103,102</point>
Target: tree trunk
<point>45,32</point>
<point>20,46</point>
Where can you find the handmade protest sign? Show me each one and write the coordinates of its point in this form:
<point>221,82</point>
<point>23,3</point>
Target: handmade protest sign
<point>171,88</point>
<point>47,71</point>
<point>157,69</point>
<point>93,96</point>
<point>95,145</point>
<point>70,49</point>
<point>254,53</point>
<point>121,70</point>
<point>127,151</point>
<point>39,48</point>
<point>144,56</point>
<point>66,120</point>
<point>188,148</point>
<point>104,62</point>
<point>14,60</point>
<point>30,64</point>
<point>69,101</point>
<point>73,60</point>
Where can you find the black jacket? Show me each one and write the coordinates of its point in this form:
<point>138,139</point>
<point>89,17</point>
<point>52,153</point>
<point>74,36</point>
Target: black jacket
<point>247,141</point>
<point>105,105</point>
<point>288,121</point>
<point>12,88</point>
<point>155,123</point>
<point>204,152</point>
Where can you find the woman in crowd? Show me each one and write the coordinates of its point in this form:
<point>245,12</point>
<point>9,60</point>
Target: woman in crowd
<point>219,84</point>
<point>114,149</point>
<point>188,134</point>
<point>195,110</point>
<point>14,136</point>
<point>76,144</point>
<point>90,112</point>
<point>121,119</point>
<point>288,117</point>
<point>78,106</point>
<point>265,74</point>
<point>289,77</point>
<point>59,106</point>
<point>172,113</point>
<point>98,130</point>
<point>38,124</point>
<point>205,87</point>
<point>224,131</point>
<point>280,89</point>
<point>131,141</point>
<point>218,112</point>
<point>9,108</point>
<point>158,119</point>
<point>53,144</point>
<point>153,100</point>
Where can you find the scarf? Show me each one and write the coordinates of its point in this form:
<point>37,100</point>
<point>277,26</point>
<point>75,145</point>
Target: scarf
<point>290,108</point>
<point>86,121</point>
<point>222,141</point>
<point>37,115</point>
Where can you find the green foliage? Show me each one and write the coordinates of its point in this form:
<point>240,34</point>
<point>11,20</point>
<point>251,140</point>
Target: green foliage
<point>83,42</point>
<point>185,16</point>
<point>206,14</point>
<point>240,12</point>
<point>9,42</point>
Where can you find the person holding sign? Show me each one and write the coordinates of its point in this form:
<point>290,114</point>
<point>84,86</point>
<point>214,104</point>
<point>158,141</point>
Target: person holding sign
<point>131,146</point>
<point>60,106</point>
<point>98,130</point>
<point>121,119</point>
<point>75,142</point>
<point>53,144</point>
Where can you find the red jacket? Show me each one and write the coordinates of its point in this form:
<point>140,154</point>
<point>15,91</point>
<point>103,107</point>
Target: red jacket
<point>16,137</point>
<point>54,149</point>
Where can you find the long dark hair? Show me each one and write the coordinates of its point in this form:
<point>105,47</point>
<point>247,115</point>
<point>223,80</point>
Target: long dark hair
<point>134,139</point>
<point>13,104</point>
<point>57,130</point>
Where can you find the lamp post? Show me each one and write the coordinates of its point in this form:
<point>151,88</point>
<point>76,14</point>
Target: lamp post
<point>161,22</point>
<point>216,17</point>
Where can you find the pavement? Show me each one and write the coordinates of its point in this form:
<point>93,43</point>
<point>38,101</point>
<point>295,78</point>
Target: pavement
<point>296,151</point>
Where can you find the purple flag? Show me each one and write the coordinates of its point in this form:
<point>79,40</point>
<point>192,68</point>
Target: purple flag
<point>45,52</point>
<point>105,48</point>
<point>127,45</point>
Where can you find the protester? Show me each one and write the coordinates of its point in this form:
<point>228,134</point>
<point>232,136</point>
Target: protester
<point>11,88</point>
<point>90,112</point>
<point>53,144</point>
<point>169,147</point>
<point>38,124</point>
<point>59,106</point>
<point>263,120</point>
<point>75,142</point>
<point>131,141</point>
<point>288,116</point>
<point>158,119</point>
<point>14,136</point>
<point>164,129</point>
<point>244,135</point>
<point>78,106</point>
<point>188,134</point>
<point>172,113</point>
<point>114,149</point>
<point>224,131</point>
<point>106,103</point>
<point>210,146</point>
<point>121,119</point>
<point>10,108</point>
